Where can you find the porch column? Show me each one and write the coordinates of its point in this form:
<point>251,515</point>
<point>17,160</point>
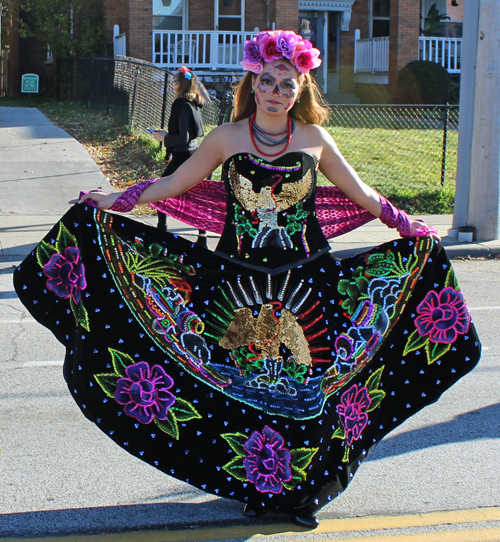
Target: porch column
<point>403,41</point>
<point>477,199</point>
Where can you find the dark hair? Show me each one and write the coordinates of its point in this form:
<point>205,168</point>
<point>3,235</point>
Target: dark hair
<point>310,109</point>
<point>190,88</point>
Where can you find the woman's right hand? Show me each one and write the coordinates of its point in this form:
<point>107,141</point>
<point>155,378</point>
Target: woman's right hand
<point>159,135</point>
<point>101,200</point>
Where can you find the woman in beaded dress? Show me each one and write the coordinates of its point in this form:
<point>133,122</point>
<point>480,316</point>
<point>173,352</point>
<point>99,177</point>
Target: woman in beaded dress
<point>264,371</point>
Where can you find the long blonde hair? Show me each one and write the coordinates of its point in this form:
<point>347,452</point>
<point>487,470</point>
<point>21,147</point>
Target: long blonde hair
<point>310,109</point>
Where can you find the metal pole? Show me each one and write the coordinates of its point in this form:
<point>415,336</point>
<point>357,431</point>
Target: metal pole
<point>445,138</point>
<point>134,95</point>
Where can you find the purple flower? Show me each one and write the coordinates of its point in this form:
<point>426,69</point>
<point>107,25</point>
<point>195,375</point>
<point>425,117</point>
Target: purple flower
<point>443,316</point>
<point>144,392</point>
<point>66,274</point>
<point>286,41</point>
<point>252,52</point>
<point>352,411</point>
<point>268,463</point>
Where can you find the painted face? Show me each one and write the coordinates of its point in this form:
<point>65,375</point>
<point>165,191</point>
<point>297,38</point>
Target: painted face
<point>277,86</point>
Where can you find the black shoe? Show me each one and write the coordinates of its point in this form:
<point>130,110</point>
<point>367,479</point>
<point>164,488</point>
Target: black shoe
<point>252,512</point>
<point>202,242</point>
<point>306,520</point>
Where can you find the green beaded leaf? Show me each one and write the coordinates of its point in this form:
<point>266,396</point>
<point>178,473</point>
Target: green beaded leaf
<point>44,251</point>
<point>120,361</point>
<point>237,442</point>
<point>339,432</point>
<point>107,381</point>
<point>414,342</point>
<point>375,398</point>
<point>184,410</point>
<point>236,468</point>
<point>374,381</point>
<point>64,239</point>
<point>169,425</point>
<point>80,314</point>
<point>301,457</point>
<point>435,350</point>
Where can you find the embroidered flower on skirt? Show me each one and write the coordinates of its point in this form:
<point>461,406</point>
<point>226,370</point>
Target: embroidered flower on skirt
<point>66,274</point>
<point>352,412</point>
<point>144,392</point>
<point>268,463</point>
<point>443,316</point>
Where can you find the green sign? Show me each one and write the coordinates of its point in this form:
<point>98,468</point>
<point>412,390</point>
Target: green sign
<point>29,83</point>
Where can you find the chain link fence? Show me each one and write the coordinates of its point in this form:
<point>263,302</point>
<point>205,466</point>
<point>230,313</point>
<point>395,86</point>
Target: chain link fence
<point>137,93</point>
<point>408,153</point>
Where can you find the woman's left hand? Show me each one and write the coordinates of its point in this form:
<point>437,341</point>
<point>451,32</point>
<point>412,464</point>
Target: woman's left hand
<point>419,228</point>
<point>99,199</point>
<point>159,135</point>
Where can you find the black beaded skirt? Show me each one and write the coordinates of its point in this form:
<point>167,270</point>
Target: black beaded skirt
<point>267,389</point>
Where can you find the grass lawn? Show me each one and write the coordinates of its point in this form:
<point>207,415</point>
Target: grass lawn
<point>403,164</point>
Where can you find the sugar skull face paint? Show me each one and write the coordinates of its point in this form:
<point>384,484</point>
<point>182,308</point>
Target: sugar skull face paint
<point>277,87</point>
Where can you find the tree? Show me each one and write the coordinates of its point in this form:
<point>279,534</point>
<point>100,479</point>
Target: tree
<point>433,20</point>
<point>68,27</point>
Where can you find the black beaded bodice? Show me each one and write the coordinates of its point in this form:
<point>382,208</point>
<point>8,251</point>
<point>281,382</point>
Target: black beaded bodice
<point>271,222</point>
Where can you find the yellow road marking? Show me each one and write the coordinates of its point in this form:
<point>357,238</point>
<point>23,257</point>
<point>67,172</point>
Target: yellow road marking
<point>343,525</point>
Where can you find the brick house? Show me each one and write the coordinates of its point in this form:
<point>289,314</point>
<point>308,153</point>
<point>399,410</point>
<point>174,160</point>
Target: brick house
<point>364,43</point>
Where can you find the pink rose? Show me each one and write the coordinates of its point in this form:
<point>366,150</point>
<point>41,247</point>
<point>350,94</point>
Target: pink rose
<point>286,42</point>
<point>268,50</point>
<point>305,57</point>
<point>251,67</point>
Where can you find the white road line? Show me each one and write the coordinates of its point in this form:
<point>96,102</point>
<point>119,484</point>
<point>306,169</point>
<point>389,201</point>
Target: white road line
<point>27,321</point>
<point>58,363</point>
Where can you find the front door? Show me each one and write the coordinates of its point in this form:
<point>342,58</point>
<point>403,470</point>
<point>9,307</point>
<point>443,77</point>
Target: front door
<point>312,27</point>
<point>333,47</point>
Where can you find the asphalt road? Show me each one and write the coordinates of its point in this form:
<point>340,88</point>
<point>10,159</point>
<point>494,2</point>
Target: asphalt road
<point>61,475</point>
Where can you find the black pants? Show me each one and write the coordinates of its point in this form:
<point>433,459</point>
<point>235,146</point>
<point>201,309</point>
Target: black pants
<point>178,158</point>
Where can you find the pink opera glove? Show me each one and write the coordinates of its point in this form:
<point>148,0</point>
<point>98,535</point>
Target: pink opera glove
<point>128,200</point>
<point>394,218</point>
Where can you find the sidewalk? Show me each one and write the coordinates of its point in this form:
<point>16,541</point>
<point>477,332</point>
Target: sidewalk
<point>42,168</point>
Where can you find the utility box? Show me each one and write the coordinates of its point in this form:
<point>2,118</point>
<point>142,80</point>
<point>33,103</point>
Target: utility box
<point>30,83</point>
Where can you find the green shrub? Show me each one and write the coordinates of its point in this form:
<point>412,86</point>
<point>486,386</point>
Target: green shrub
<point>424,82</point>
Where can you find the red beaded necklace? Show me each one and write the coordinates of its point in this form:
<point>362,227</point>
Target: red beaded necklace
<point>290,133</point>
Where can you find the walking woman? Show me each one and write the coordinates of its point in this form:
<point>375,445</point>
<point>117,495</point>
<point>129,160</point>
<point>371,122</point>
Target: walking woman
<point>185,125</point>
<point>264,371</point>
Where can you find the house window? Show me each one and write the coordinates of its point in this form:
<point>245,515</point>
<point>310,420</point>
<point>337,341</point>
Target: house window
<point>167,14</point>
<point>380,18</point>
<point>229,15</point>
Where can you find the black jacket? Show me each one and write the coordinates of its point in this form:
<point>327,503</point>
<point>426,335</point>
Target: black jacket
<point>184,126</point>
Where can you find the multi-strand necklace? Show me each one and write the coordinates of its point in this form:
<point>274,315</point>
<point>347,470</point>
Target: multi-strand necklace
<point>268,138</point>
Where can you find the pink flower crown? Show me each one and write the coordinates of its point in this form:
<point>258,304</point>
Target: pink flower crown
<point>275,44</point>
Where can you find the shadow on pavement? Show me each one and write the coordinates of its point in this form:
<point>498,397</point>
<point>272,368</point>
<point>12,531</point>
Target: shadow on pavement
<point>475,425</point>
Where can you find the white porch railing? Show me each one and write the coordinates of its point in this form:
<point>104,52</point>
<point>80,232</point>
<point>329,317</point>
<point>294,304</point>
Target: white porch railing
<point>371,55</point>
<point>119,42</point>
<point>444,51</point>
<point>211,50</point>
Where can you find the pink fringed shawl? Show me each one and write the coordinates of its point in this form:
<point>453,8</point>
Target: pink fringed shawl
<point>204,207</point>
